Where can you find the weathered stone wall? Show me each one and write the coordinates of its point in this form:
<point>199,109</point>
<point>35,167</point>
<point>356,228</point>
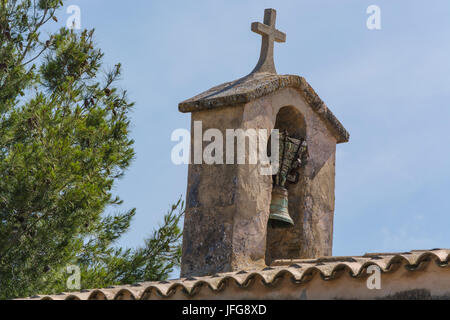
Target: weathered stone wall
<point>210,204</point>
<point>253,198</point>
<point>228,205</point>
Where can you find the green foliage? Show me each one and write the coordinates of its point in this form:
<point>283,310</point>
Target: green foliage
<point>64,140</point>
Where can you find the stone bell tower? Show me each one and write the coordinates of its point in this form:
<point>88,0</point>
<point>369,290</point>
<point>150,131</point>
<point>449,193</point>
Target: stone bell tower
<point>228,204</point>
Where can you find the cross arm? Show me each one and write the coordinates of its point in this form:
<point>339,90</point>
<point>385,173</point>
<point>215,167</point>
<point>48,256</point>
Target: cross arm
<point>266,30</point>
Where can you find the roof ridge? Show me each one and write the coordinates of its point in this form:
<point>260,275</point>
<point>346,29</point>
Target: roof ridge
<point>254,86</point>
<point>300,271</point>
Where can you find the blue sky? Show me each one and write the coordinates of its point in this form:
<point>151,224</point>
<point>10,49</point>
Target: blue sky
<point>390,88</point>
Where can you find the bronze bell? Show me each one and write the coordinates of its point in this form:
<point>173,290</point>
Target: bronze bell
<point>279,215</point>
<point>291,153</point>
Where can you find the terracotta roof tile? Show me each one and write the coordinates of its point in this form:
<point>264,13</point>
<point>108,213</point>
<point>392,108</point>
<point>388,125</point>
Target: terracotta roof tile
<point>300,271</point>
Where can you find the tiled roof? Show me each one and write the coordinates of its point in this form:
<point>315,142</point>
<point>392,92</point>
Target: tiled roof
<point>258,85</point>
<point>300,272</point>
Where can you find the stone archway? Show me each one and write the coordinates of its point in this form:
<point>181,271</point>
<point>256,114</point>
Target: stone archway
<point>286,243</point>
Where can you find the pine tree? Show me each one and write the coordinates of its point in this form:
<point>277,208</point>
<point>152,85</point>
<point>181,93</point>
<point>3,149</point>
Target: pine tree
<point>64,140</point>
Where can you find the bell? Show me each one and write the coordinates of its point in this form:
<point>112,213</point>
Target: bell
<point>279,216</point>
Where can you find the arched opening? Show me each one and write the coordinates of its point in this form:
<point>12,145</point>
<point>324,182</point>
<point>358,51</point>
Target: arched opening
<point>290,119</point>
<point>286,243</point>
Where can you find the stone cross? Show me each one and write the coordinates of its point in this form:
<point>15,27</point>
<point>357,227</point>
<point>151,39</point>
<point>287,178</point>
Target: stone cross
<point>269,35</point>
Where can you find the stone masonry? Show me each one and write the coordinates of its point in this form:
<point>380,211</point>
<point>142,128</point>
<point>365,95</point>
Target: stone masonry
<point>227,205</point>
